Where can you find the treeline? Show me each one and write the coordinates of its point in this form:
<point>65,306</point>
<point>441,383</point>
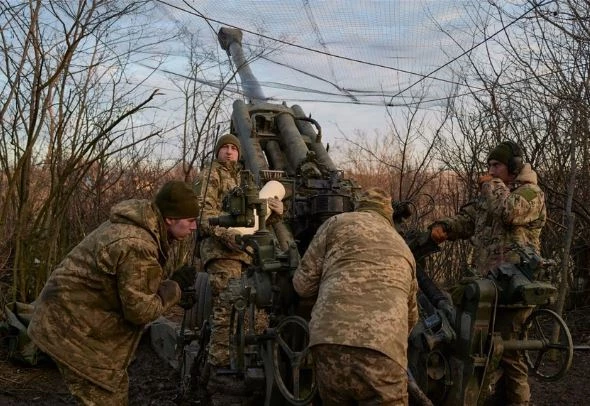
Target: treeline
<point>78,129</point>
<point>78,124</point>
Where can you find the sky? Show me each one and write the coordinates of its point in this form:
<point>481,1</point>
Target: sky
<point>342,61</point>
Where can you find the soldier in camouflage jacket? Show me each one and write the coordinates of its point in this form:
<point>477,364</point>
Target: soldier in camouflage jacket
<point>96,304</point>
<point>221,257</point>
<point>364,276</point>
<point>509,213</point>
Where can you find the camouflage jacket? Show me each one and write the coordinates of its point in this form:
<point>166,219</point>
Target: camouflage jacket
<point>364,276</point>
<point>212,185</point>
<point>501,219</point>
<point>93,309</point>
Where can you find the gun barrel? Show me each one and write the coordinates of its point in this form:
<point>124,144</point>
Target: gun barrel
<point>315,145</point>
<point>230,40</point>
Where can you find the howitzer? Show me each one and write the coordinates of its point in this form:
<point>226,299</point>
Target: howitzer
<point>275,361</point>
<point>278,143</point>
<point>455,349</point>
<point>282,143</point>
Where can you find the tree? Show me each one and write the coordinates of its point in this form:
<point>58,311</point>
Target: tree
<point>528,81</point>
<point>66,114</point>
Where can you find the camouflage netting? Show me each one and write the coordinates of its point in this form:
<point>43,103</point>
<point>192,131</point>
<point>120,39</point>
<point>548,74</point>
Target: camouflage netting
<point>366,52</point>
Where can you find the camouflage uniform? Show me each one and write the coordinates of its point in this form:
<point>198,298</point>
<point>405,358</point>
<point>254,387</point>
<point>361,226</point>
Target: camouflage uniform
<point>222,263</point>
<point>93,395</point>
<point>95,306</point>
<point>369,375</point>
<point>364,276</point>
<point>503,218</point>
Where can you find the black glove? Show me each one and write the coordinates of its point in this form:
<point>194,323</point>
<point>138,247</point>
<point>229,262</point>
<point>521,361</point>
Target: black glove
<point>185,277</point>
<point>188,299</point>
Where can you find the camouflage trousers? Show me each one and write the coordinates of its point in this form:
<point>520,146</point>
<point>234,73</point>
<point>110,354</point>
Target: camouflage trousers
<point>509,324</point>
<point>358,376</point>
<point>90,394</point>
<point>223,273</point>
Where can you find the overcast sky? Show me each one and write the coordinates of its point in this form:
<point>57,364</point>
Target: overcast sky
<point>343,61</point>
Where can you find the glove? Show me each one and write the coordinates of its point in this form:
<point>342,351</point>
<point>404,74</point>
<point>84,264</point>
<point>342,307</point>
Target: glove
<point>484,178</point>
<point>187,299</point>
<point>438,233</point>
<point>228,238</point>
<point>185,277</point>
<point>169,291</point>
<point>275,205</point>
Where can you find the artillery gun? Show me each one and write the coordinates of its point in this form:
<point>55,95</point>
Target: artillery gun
<point>278,143</point>
<point>454,350</point>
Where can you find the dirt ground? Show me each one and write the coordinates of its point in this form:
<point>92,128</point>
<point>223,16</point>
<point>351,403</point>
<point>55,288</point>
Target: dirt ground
<point>154,382</point>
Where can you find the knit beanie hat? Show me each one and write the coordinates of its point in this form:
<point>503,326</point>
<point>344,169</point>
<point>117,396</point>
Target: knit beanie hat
<point>228,139</point>
<point>177,200</point>
<point>510,154</point>
<point>377,200</point>
<point>502,153</point>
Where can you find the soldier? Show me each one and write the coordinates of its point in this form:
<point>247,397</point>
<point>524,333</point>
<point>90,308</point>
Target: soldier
<point>220,255</point>
<point>510,213</point>
<point>94,308</point>
<point>365,277</point>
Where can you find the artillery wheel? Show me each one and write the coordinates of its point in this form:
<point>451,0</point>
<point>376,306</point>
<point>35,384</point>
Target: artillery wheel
<point>296,393</point>
<point>555,358</point>
<point>201,310</point>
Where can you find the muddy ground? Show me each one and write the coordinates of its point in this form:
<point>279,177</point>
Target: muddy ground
<point>154,382</point>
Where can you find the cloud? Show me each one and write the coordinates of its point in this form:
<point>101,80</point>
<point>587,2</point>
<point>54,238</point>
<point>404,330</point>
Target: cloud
<point>341,61</point>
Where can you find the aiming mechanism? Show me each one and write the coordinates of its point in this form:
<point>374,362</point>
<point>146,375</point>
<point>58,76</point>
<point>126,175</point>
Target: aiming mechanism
<point>454,350</point>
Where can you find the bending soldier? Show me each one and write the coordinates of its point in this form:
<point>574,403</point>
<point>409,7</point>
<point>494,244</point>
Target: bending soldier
<point>365,277</point>
<point>95,306</point>
<point>510,213</point>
